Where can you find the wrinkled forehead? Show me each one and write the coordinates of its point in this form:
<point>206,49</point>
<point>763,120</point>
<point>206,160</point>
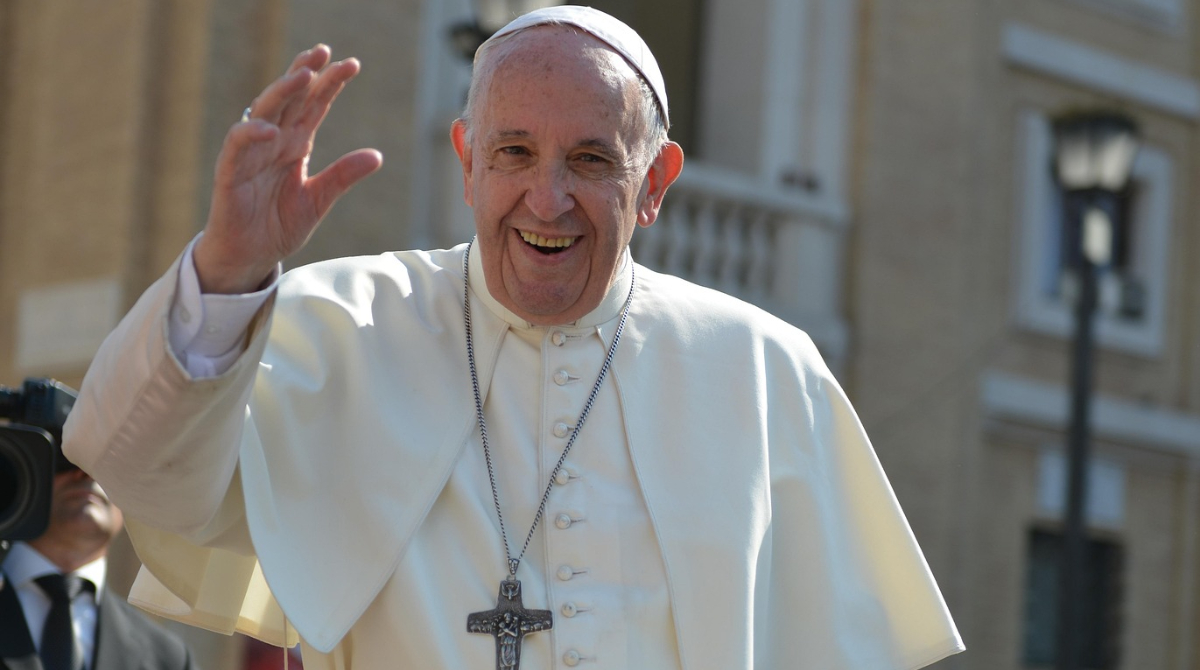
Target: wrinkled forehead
<point>558,79</point>
<point>540,53</point>
<point>614,35</point>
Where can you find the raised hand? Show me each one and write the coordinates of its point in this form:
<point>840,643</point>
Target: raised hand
<point>265,206</point>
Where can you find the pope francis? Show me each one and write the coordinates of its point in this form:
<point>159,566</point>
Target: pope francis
<point>527,451</point>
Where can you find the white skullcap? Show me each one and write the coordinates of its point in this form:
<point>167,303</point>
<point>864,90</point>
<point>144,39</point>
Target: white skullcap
<point>620,37</point>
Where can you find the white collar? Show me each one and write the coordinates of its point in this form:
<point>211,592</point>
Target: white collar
<point>25,564</point>
<point>608,309</point>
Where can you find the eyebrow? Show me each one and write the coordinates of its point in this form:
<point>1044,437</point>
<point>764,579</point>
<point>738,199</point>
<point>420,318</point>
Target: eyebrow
<point>503,135</point>
<point>603,146</point>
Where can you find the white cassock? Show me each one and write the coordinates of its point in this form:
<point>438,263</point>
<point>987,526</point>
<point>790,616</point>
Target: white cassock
<point>721,508</point>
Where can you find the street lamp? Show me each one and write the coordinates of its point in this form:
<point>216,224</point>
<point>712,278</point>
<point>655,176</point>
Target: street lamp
<point>488,17</point>
<point>1093,158</point>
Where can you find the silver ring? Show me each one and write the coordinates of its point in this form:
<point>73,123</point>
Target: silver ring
<point>246,115</point>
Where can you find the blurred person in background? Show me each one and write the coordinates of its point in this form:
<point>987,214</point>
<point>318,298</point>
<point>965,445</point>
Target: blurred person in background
<point>56,612</point>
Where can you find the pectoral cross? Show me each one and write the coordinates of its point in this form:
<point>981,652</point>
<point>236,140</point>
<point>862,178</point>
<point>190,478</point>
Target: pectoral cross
<point>509,622</point>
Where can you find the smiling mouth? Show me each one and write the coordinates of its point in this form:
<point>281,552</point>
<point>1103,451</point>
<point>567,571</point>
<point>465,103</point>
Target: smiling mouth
<point>547,245</point>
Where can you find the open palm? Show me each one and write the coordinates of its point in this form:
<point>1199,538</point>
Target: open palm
<point>265,206</point>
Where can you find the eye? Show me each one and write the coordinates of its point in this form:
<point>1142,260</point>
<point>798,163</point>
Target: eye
<point>592,161</point>
<point>511,156</point>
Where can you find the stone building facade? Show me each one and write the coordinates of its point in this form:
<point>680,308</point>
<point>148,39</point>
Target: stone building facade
<point>875,171</point>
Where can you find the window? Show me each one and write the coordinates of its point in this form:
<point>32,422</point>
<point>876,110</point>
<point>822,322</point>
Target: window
<point>1100,635</point>
<point>1133,297</point>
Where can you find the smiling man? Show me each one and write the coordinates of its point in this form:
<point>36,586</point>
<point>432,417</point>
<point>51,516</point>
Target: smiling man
<point>524,452</point>
<point>559,169</point>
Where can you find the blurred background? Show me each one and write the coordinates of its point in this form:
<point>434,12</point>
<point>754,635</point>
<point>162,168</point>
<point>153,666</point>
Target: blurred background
<point>877,172</point>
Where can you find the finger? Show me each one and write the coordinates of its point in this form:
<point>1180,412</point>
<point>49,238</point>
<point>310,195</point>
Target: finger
<point>280,94</point>
<point>313,59</point>
<point>234,162</point>
<point>323,91</point>
<point>335,180</point>
<point>284,93</point>
<point>269,104</point>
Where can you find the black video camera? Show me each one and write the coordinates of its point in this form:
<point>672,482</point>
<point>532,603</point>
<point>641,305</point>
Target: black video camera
<point>31,422</point>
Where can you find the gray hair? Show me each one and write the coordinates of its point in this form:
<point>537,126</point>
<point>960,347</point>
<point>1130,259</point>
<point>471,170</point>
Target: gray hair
<point>655,136</point>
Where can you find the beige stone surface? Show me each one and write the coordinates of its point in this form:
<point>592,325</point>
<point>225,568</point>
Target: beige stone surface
<point>932,276</point>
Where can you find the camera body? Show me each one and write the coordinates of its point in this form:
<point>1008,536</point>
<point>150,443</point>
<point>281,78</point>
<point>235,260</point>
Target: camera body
<point>31,422</point>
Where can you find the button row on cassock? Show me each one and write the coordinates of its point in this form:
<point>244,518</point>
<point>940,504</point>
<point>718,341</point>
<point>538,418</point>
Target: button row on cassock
<point>563,521</point>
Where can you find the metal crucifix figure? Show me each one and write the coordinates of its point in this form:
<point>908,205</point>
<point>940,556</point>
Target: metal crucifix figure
<point>509,622</point>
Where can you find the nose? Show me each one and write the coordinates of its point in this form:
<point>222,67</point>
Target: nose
<point>71,477</point>
<point>74,474</point>
<point>550,194</point>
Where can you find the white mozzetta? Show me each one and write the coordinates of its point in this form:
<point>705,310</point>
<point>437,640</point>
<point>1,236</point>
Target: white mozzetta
<point>778,533</point>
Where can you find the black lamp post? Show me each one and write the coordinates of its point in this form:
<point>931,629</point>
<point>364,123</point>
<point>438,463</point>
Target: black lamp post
<point>1093,157</point>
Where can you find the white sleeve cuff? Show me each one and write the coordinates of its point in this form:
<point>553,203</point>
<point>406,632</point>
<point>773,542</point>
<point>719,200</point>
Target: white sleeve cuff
<point>207,330</point>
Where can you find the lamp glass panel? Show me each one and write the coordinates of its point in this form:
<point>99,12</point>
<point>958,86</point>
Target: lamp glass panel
<point>1075,161</point>
<point>1094,151</point>
<point>1116,163</point>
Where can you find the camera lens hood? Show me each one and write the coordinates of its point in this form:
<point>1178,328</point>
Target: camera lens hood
<point>26,481</point>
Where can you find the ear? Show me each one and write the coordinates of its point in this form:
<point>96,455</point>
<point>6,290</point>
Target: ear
<point>458,137</point>
<point>663,172</point>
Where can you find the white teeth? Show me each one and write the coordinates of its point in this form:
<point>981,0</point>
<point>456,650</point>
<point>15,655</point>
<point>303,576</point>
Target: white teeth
<point>552,242</point>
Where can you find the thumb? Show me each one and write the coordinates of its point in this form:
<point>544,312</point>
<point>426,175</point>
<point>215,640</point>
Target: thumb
<point>335,180</point>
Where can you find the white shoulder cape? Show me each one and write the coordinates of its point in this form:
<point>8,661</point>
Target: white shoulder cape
<point>781,536</point>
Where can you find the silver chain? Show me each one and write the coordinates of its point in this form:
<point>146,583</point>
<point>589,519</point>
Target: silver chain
<point>587,407</point>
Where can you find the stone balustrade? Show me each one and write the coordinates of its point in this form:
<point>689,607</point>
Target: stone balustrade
<point>780,249</point>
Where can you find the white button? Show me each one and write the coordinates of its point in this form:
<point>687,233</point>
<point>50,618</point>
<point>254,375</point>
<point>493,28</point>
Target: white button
<point>557,338</point>
<point>572,658</point>
<point>212,330</point>
<point>565,573</point>
<point>185,316</point>
<point>561,429</point>
<point>563,521</point>
<point>569,610</point>
<point>562,478</point>
<point>562,377</point>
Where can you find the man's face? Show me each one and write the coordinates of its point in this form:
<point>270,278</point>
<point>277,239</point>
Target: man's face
<point>557,173</point>
<point>80,514</point>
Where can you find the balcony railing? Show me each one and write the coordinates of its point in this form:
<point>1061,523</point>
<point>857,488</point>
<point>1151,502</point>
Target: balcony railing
<point>780,249</point>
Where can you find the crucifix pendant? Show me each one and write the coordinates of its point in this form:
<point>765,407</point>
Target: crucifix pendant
<point>508,623</point>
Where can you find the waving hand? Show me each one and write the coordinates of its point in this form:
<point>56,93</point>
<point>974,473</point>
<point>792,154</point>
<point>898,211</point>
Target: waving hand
<point>265,206</point>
